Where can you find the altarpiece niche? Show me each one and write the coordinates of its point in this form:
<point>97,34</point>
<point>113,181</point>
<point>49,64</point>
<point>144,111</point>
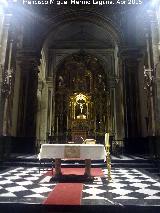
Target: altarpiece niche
<point>82,99</point>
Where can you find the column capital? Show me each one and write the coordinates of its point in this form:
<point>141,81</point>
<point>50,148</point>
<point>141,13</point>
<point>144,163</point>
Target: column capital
<point>28,56</point>
<point>131,53</point>
<point>28,60</point>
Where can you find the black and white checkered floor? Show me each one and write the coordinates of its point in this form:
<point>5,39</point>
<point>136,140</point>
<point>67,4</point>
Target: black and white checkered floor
<point>24,185</point>
<point>128,187</point>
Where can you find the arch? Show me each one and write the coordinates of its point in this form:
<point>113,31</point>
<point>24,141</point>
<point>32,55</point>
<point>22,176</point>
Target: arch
<point>93,17</point>
<point>114,36</point>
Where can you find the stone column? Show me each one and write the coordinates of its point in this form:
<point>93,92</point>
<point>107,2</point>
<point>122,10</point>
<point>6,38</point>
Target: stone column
<point>53,104</point>
<point>4,28</point>
<point>39,120</point>
<point>49,111</point>
<point>119,110</point>
<point>28,93</point>
<point>155,36</point>
<point>130,63</point>
<point>7,91</point>
<point>43,112</point>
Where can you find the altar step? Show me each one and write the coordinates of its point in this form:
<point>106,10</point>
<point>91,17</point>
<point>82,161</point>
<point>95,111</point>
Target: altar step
<point>149,165</point>
<point>48,163</point>
<point>32,208</point>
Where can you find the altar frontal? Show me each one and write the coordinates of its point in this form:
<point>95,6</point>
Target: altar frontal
<point>85,152</point>
<point>80,151</point>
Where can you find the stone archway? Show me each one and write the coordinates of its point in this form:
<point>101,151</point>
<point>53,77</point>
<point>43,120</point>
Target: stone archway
<point>81,74</point>
<point>93,37</point>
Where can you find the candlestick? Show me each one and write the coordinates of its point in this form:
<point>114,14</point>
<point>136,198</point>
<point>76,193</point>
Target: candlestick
<point>108,160</point>
<point>107,139</point>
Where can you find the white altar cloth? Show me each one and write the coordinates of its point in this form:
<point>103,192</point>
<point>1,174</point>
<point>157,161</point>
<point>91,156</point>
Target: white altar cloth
<point>80,151</point>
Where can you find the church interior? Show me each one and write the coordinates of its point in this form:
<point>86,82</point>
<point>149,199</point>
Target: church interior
<point>79,75</point>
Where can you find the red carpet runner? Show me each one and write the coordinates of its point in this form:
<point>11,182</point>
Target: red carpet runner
<point>78,171</point>
<point>65,194</point>
<point>69,193</point>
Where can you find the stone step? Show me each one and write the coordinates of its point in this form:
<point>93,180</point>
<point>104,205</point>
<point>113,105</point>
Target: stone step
<point>153,170</point>
<point>122,161</point>
<point>133,165</point>
<point>82,163</point>
<point>49,164</point>
<point>72,160</point>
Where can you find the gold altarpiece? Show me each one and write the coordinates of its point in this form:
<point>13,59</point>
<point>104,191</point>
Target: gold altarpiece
<point>82,99</point>
<point>80,116</point>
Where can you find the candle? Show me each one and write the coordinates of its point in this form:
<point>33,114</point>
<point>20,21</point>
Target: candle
<point>107,139</point>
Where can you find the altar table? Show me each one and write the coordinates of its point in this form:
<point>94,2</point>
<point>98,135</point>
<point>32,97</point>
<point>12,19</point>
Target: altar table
<point>85,152</point>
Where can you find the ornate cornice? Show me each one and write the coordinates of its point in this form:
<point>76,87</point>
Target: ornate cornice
<point>131,53</point>
<point>28,55</point>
